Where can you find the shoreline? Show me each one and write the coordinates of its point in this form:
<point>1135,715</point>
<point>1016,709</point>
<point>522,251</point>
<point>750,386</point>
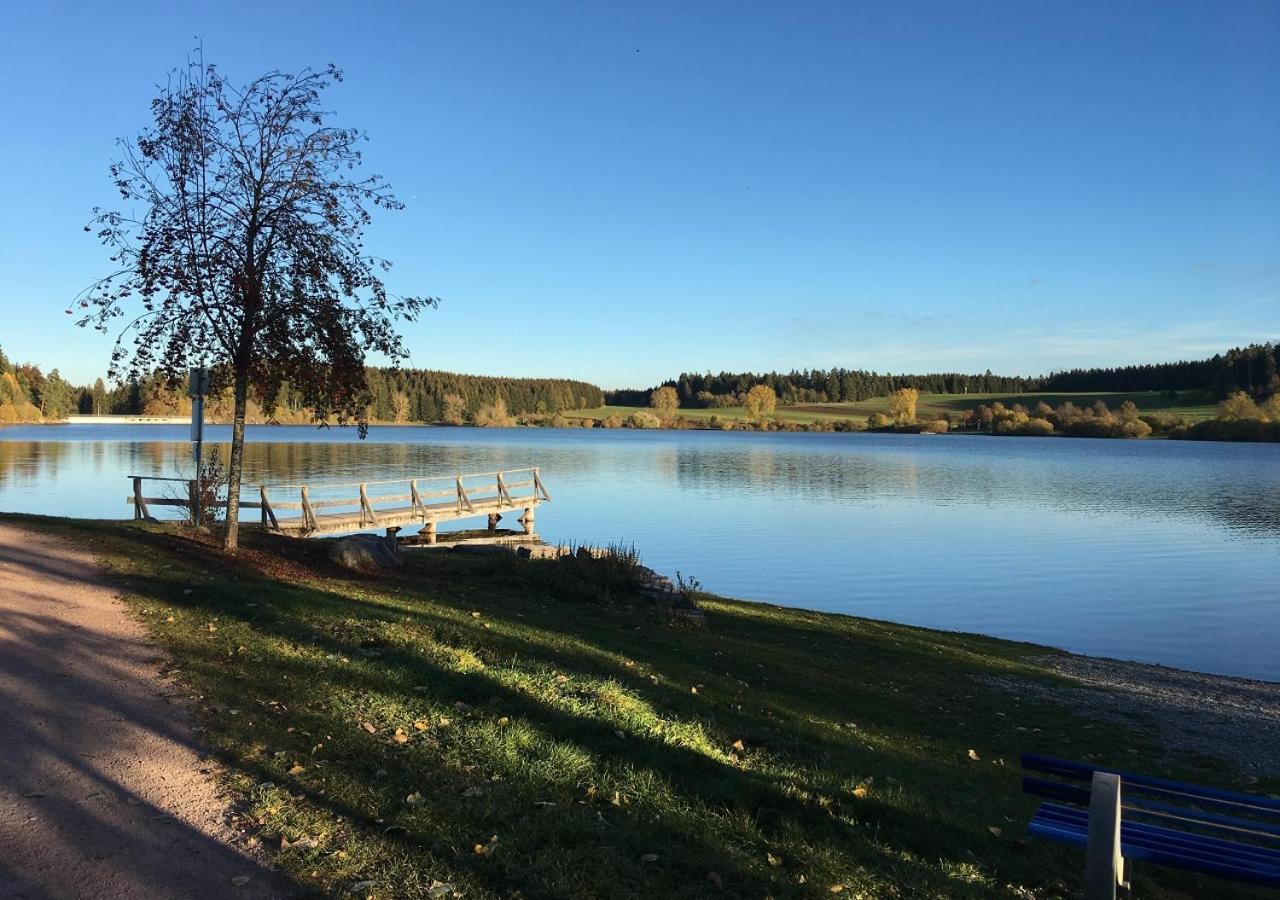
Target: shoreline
<point>817,427</point>
<point>489,701</point>
<point>1113,667</point>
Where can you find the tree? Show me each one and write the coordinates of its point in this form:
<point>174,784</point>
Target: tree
<point>99,394</point>
<point>1238,406</point>
<point>761,401</point>
<point>454,410</point>
<point>902,405</point>
<point>243,248</point>
<point>665,401</point>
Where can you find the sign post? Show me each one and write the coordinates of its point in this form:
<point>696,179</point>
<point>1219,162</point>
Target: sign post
<point>197,390</point>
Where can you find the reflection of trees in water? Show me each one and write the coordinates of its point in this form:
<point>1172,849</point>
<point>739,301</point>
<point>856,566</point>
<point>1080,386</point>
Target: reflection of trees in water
<point>1232,491</point>
<point>1174,488</point>
<point>25,462</point>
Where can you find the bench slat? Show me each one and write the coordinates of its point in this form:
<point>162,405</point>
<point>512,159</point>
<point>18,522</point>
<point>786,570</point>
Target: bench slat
<point>1233,800</point>
<point>1070,793</point>
<point>1171,837</point>
<point>1155,844</point>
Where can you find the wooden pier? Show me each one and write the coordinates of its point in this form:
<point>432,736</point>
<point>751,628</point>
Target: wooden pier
<point>311,510</point>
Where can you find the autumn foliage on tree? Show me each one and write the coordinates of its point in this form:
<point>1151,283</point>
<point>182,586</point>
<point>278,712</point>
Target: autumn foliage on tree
<point>241,247</point>
<point>760,401</point>
<point>902,405</point>
<point>664,401</point>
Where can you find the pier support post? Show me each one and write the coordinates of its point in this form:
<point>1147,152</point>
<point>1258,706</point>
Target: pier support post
<point>494,519</point>
<point>527,520</point>
<point>429,530</point>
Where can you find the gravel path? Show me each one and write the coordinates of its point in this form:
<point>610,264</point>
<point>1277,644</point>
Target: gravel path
<point>103,792</point>
<point>1234,719</point>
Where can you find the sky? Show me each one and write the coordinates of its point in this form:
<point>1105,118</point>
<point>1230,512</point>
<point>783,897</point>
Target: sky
<point>620,192</point>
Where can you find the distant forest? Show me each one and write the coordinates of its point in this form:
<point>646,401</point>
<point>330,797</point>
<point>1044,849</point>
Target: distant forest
<point>1252,369</point>
<point>422,395</point>
<point>395,395</point>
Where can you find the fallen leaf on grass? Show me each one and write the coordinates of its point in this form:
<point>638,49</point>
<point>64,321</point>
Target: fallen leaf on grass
<point>439,889</point>
<point>773,860</point>
<point>413,798</point>
<point>861,792</point>
<point>400,736</point>
<point>994,830</point>
<point>297,767</point>
<point>739,746</point>
<point>475,615</point>
<point>973,754</point>
<point>504,721</point>
<point>487,849</point>
<point>369,727</point>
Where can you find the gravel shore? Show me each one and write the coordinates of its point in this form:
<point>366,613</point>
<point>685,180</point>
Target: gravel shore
<point>1236,720</point>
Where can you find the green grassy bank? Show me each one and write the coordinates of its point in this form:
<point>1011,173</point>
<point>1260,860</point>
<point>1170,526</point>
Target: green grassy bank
<point>464,723</point>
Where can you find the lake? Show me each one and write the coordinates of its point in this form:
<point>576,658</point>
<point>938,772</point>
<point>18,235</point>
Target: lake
<point>1159,551</point>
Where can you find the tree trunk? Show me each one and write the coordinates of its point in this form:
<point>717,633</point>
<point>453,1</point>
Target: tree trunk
<point>230,541</point>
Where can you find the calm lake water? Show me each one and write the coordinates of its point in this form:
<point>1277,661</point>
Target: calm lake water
<point>1158,551</point>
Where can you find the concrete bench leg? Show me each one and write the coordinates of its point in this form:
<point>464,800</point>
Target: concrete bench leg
<point>1104,866</point>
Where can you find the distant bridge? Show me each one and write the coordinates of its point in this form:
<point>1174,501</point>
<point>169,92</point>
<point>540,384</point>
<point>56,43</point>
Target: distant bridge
<point>323,508</point>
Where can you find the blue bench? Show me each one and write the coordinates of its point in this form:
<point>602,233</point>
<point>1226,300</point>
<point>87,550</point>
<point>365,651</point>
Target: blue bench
<point>1119,817</point>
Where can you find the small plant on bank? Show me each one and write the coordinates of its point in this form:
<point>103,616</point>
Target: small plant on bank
<point>591,574</point>
<point>211,486</point>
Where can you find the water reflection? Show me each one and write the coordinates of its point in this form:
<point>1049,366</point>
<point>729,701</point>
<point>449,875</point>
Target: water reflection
<point>1071,542</point>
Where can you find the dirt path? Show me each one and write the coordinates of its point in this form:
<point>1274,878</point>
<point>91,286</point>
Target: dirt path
<point>103,792</point>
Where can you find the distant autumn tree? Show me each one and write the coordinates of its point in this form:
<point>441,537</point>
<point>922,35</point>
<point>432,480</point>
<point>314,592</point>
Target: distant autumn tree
<point>1239,406</point>
<point>242,248</point>
<point>902,405</point>
<point>664,401</point>
<point>760,401</point>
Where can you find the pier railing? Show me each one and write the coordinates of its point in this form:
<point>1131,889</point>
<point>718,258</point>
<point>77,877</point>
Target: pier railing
<point>310,509</point>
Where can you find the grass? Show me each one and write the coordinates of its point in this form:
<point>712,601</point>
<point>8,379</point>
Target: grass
<point>461,723</point>
<point>931,405</point>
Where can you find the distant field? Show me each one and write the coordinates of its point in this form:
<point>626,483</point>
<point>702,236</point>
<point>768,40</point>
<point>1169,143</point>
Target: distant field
<point>931,405</point>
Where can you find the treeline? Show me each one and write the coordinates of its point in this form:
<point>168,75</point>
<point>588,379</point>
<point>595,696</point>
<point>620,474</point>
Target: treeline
<point>28,395</point>
<point>819,386</point>
<point>1253,369</point>
<point>395,395</point>
<point>424,395</point>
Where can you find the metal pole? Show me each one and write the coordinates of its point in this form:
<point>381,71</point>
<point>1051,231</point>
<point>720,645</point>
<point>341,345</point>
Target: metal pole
<point>198,388</point>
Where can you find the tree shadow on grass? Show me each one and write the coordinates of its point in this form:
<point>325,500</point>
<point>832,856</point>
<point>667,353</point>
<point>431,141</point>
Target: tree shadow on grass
<point>769,804</point>
<point>914,845</point>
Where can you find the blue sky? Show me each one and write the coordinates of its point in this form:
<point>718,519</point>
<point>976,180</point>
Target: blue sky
<point>620,192</point>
